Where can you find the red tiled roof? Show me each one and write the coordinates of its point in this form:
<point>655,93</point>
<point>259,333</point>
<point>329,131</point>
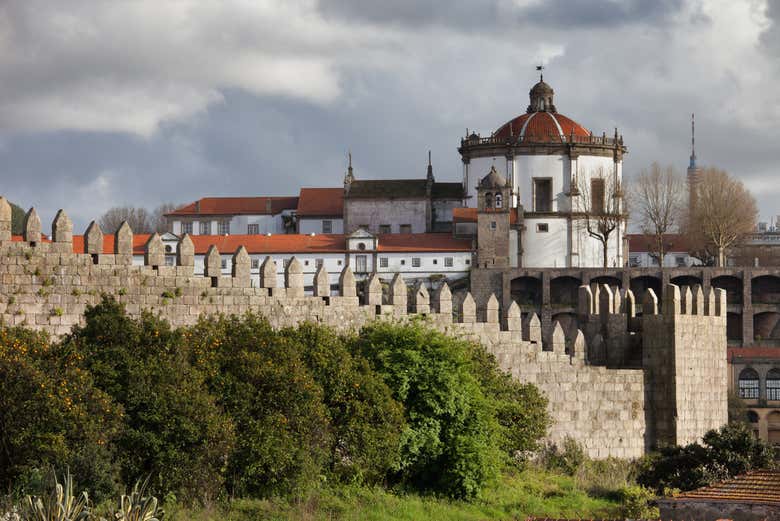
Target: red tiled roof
<point>469,215</point>
<point>139,241</point>
<point>321,202</point>
<point>293,243</point>
<point>541,127</point>
<point>758,486</point>
<point>399,242</point>
<point>237,206</point>
<point>772,353</point>
<point>639,243</point>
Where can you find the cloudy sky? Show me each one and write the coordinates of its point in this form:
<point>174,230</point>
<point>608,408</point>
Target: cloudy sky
<point>145,102</point>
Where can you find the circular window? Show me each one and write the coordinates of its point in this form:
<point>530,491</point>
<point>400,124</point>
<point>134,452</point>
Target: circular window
<point>168,248</point>
<point>361,246</point>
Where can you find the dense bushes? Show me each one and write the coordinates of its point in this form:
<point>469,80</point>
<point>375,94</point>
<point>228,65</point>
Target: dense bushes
<point>462,415</point>
<point>725,453</point>
<point>230,406</point>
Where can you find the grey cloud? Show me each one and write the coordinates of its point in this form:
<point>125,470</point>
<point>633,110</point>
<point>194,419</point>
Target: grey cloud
<point>576,14</point>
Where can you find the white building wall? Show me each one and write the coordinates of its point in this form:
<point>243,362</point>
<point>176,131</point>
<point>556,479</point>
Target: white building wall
<point>546,249</point>
<point>307,225</point>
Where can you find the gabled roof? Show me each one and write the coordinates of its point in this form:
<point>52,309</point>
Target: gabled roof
<point>237,206</point>
<point>755,487</point>
<point>321,202</point>
<point>402,189</point>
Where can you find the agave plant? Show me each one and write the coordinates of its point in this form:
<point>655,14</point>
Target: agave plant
<point>136,506</point>
<point>60,505</point>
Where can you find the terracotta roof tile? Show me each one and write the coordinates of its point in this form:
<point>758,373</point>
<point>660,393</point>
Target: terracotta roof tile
<point>402,188</point>
<point>237,206</point>
<point>431,242</point>
<point>758,486</point>
<point>321,202</point>
<point>771,353</point>
<point>541,127</point>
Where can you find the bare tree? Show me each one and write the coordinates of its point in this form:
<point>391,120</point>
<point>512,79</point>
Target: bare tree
<point>725,210</point>
<point>658,199</point>
<point>600,207</point>
<point>138,218</point>
<point>159,221</point>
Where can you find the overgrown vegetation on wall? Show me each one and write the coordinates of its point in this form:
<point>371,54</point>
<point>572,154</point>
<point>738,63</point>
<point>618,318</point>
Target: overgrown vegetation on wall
<point>232,407</point>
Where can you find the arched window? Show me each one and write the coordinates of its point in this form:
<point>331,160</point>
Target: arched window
<point>488,200</point>
<point>499,202</point>
<point>773,384</point>
<point>752,416</point>
<point>748,384</point>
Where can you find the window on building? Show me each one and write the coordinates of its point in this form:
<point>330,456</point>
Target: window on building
<point>415,262</point>
<point>435,262</point>
<point>223,264</point>
<point>305,263</point>
<point>499,201</point>
<point>680,261</point>
<point>403,262</point>
<point>448,262</point>
<point>492,225</point>
<point>542,195</point>
<point>170,260</point>
<point>405,228</point>
<point>327,226</point>
<point>752,416</point>
<point>542,227</point>
<point>468,261</point>
<point>773,384</point>
<point>255,264</point>
<point>597,196</point>
<point>205,228</point>
<point>223,228</point>
<point>186,227</point>
<point>318,263</point>
<point>339,262</point>
<point>488,200</point>
<point>384,228</point>
<point>383,262</point>
<point>748,384</point>
<point>253,229</point>
<point>361,263</point>
<point>633,261</point>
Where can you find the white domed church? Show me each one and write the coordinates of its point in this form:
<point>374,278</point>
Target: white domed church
<point>560,190</point>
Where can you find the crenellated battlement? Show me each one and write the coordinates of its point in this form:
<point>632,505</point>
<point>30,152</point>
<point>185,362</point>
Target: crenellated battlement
<point>617,383</point>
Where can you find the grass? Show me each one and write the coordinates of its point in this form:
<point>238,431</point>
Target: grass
<point>514,496</point>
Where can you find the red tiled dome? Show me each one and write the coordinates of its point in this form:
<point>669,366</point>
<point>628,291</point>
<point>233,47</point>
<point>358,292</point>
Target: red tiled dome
<point>541,127</point>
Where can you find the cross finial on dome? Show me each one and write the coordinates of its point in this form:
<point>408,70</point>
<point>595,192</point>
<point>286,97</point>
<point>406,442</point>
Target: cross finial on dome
<point>540,68</point>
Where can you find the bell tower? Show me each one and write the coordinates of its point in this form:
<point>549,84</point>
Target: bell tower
<point>493,216</point>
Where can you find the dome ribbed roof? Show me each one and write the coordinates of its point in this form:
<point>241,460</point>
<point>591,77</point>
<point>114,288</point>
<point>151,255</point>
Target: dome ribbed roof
<point>541,127</point>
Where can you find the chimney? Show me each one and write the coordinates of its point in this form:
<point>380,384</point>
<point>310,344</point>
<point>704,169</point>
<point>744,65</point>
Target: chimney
<point>268,205</point>
<point>197,206</point>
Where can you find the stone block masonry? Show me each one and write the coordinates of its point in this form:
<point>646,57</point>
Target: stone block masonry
<point>676,393</point>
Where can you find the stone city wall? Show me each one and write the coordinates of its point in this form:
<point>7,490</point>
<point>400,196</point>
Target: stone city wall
<point>44,285</point>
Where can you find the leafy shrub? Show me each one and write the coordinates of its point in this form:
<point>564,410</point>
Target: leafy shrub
<point>51,414</point>
<point>137,506</point>
<point>365,420</point>
<point>568,459</point>
<point>723,454</point>
<point>635,502</point>
<point>282,429</point>
<point>172,429</point>
<point>453,438</point>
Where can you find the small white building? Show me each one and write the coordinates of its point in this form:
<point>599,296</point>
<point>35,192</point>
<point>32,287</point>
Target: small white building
<point>641,250</point>
<point>320,210</point>
<point>234,215</point>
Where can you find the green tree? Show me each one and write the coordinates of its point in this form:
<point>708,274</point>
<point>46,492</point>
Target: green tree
<point>52,416</point>
<point>262,381</point>
<point>723,454</point>
<point>173,430</point>
<point>451,443</point>
<point>366,422</point>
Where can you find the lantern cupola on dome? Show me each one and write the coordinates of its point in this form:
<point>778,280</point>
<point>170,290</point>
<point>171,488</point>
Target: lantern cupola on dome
<point>541,96</point>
